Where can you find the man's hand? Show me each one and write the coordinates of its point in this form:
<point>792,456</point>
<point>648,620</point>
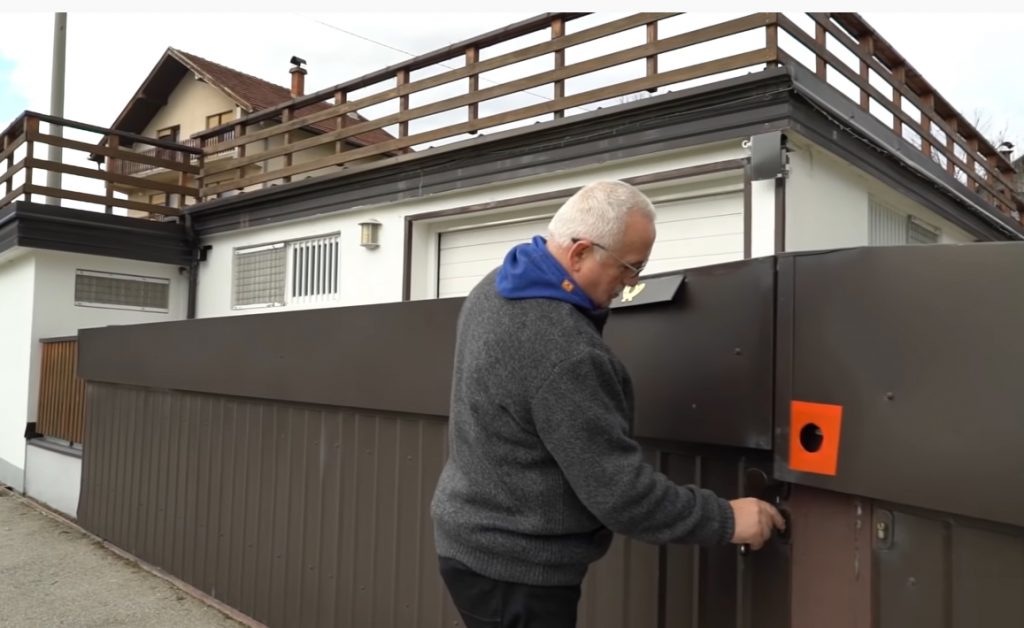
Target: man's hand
<point>755,520</point>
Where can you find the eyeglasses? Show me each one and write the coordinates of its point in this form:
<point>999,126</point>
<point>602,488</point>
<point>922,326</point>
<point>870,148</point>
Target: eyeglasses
<point>634,270</point>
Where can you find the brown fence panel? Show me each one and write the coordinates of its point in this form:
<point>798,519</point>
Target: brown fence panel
<point>61,411</point>
<point>303,515</point>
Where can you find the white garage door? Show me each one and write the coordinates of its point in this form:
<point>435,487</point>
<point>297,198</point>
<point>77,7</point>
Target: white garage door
<point>695,231</point>
<point>465,256</point>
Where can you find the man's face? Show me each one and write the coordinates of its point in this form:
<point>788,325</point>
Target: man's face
<point>602,274</point>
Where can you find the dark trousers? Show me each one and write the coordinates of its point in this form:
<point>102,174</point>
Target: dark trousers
<point>487,603</point>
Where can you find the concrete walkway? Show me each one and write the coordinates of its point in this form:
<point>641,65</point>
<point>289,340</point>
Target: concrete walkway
<point>54,574</point>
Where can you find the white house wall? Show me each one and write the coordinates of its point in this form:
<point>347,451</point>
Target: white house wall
<point>53,478</point>
<point>187,107</point>
<point>374,276</point>
<point>56,314</point>
<point>45,281</point>
<point>827,202</point>
<point>17,281</point>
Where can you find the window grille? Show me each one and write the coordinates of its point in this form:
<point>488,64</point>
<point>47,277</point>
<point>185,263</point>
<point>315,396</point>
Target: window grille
<point>314,271</point>
<point>259,276</point>
<point>888,227</point>
<point>120,291</point>
<point>299,271</point>
<point>919,232</point>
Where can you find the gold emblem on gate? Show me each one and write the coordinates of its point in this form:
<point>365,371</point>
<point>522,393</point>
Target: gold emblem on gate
<point>630,292</point>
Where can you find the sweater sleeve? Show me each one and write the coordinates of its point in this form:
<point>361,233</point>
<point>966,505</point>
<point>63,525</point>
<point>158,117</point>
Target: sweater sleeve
<point>580,415</point>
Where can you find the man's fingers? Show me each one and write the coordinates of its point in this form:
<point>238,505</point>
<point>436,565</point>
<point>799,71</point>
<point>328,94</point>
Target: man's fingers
<point>777,518</point>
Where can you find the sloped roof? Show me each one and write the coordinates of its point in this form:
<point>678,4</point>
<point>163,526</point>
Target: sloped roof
<point>248,92</point>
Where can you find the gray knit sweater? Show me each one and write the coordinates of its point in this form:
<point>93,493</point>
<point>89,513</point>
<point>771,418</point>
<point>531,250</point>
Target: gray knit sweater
<point>542,467</point>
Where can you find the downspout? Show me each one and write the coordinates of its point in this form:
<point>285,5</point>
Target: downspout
<point>197,254</point>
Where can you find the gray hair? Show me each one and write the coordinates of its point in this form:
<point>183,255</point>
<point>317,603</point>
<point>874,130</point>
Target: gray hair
<point>597,212</point>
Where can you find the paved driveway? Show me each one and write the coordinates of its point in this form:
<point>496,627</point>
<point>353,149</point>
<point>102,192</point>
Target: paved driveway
<point>53,574</point>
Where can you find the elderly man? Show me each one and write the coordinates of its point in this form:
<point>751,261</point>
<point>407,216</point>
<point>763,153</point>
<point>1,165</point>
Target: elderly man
<point>542,468</point>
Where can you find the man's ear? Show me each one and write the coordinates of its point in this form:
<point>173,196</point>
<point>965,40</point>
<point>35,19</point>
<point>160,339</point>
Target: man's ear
<point>577,252</point>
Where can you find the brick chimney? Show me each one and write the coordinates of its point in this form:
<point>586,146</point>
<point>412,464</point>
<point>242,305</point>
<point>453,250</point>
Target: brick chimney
<point>298,77</point>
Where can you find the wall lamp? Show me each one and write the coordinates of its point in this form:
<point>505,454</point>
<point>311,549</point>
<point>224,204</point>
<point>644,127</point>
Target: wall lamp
<point>369,233</point>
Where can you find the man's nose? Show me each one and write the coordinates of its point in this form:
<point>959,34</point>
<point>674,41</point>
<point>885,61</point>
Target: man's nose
<point>632,280</point>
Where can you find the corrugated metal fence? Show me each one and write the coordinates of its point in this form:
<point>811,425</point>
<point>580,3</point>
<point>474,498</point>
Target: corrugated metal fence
<point>304,515</point>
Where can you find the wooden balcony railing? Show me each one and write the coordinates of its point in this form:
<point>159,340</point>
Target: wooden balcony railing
<point>136,167</point>
<point>908,104</point>
<point>440,97</point>
<point>21,148</point>
<point>61,412</point>
<point>473,107</point>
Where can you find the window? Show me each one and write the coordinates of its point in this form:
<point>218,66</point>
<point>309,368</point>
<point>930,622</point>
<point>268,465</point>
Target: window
<point>920,232</point>
<point>259,276</point>
<point>218,119</point>
<point>314,268</point>
<point>282,273</point>
<point>888,227</point>
<point>121,292</point>
<point>169,134</point>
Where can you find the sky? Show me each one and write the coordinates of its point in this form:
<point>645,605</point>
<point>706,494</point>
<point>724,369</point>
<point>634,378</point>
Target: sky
<point>973,59</point>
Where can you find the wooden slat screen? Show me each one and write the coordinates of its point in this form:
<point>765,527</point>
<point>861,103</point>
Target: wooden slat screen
<point>61,392</point>
<point>128,170</point>
<point>416,126</point>
<point>935,128</point>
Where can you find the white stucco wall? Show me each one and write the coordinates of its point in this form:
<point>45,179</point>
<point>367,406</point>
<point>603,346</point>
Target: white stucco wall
<point>17,282</point>
<point>36,302</point>
<point>55,312</point>
<point>762,218</point>
<point>187,106</point>
<point>375,276</point>
<point>827,202</point>
<point>53,478</point>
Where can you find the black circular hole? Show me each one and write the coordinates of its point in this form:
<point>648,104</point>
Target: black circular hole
<point>811,437</point>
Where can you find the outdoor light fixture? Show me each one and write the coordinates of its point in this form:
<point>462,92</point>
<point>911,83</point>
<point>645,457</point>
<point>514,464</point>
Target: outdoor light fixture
<point>369,233</point>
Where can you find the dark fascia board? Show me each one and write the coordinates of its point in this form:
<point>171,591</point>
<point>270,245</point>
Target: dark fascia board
<point>56,228</point>
<point>8,228</point>
<point>731,109</point>
<point>818,109</point>
<point>151,95</point>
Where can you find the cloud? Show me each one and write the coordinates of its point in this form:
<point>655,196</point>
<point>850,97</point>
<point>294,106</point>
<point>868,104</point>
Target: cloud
<point>11,100</point>
<point>110,54</point>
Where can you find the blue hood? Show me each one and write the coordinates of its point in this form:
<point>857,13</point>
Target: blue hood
<point>530,271</point>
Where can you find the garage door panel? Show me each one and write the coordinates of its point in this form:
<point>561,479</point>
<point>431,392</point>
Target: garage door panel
<point>698,228</point>
<point>477,269</point>
<point>494,233</point>
<point>489,251</point>
<point>724,244</point>
<point>457,287</point>
<point>692,261</point>
<point>691,232</point>
<point>700,207</point>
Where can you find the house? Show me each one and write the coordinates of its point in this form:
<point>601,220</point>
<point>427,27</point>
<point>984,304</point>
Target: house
<point>64,269</point>
<point>752,138</point>
<point>185,94</point>
<point>1018,165</point>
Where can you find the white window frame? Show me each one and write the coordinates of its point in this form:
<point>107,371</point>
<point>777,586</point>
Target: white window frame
<point>248,250</point>
<point>289,272</point>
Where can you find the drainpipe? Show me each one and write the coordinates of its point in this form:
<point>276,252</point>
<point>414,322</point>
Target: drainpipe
<point>60,29</point>
<point>198,254</point>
